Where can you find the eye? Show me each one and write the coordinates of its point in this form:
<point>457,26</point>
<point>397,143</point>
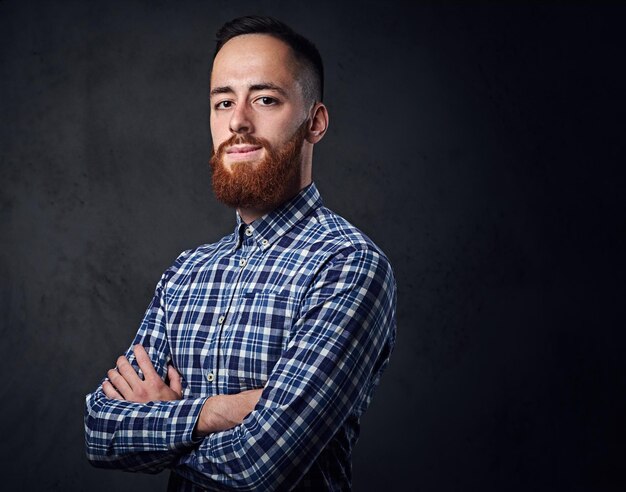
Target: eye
<point>223,105</point>
<point>267,101</point>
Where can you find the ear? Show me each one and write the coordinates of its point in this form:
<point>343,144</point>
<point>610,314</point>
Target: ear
<point>318,123</point>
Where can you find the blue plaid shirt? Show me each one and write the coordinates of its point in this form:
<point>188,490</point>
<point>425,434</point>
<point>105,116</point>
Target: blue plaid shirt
<point>300,303</point>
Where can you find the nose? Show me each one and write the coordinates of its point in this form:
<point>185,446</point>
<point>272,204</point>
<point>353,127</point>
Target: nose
<point>240,121</point>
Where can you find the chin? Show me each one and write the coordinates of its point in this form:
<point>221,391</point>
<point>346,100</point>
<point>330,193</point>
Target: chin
<point>231,165</point>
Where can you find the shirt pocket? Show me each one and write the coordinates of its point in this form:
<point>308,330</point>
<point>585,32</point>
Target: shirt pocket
<point>255,338</point>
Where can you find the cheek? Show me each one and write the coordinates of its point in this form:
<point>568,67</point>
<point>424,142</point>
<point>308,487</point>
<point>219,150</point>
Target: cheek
<point>277,135</point>
<point>219,134</point>
<point>289,127</point>
<point>217,139</point>
<point>215,142</point>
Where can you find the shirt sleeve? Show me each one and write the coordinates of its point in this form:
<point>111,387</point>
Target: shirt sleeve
<point>141,436</point>
<point>340,344</point>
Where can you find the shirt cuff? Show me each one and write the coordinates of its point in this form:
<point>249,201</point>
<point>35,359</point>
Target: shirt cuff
<point>180,421</point>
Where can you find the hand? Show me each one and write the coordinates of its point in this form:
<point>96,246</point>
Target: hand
<point>222,412</point>
<point>125,384</point>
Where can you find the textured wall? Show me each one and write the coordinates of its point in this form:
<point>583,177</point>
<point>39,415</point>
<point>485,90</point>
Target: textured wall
<point>478,147</point>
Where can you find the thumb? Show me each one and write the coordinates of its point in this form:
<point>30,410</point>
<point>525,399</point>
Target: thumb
<point>175,380</point>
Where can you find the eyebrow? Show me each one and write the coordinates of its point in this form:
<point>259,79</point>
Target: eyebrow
<point>263,86</point>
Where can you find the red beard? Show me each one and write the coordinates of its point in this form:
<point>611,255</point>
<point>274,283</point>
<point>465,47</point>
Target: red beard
<point>265,186</point>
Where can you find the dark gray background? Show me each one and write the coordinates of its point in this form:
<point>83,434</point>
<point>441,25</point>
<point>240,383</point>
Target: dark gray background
<point>479,147</point>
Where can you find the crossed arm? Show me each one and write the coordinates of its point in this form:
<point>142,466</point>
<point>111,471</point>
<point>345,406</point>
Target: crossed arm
<point>340,344</point>
<point>220,412</point>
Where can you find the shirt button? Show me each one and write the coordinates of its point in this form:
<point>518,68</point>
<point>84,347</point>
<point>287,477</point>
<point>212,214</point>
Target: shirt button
<point>221,319</point>
<point>210,377</point>
<point>248,231</point>
<point>242,262</point>
<point>265,242</point>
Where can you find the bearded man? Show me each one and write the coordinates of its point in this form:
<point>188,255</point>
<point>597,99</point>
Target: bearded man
<point>259,353</point>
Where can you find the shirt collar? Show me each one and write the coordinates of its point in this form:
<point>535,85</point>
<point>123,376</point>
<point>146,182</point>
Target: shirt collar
<point>269,228</point>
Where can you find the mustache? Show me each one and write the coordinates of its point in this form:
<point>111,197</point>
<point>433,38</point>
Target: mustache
<point>239,139</point>
<point>246,138</point>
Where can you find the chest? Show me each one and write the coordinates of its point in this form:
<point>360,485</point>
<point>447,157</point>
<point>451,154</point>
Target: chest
<point>230,319</point>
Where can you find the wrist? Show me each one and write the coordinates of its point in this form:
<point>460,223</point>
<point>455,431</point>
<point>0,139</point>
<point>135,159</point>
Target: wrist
<point>201,428</point>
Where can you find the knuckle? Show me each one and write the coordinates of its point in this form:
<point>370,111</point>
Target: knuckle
<point>153,383</point>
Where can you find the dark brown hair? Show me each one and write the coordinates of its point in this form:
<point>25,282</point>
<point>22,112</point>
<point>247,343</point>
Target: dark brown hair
<point>304,50</point>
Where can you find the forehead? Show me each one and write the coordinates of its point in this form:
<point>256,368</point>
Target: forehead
<point>250,58</point>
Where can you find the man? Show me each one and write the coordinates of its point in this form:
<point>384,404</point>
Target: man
<point>258,353</point>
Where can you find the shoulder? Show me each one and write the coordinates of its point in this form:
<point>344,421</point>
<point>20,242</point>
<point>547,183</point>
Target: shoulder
<point>343,238</point>
<point>190,261</point>
<point>341,245</point>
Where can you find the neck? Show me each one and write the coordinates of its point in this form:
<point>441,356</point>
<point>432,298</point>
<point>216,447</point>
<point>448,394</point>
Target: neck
<point>249,215</point>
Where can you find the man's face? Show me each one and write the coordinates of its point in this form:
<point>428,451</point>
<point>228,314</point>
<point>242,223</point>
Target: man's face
<point>258,123</point>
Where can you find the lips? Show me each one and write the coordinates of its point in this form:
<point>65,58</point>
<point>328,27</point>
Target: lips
<point>242,149</point>
<point>243,153</point>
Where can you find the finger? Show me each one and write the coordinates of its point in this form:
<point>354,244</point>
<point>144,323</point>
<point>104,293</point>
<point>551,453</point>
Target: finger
<point>175,380</point>
<point>110,391</point>
<point>251,398</point>
<point>144,361</point>
<point>254,393</point>
<point>255,398</point>
<point>122,387</point>
<point>128,372</point>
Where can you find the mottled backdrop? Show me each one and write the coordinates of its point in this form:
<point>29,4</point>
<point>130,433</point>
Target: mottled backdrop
<point>479,147</point>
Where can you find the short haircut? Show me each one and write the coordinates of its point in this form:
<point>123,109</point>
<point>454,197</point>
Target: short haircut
<point>305,52</point>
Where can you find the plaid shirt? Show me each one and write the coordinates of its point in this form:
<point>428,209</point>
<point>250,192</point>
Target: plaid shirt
<point>300,303</point>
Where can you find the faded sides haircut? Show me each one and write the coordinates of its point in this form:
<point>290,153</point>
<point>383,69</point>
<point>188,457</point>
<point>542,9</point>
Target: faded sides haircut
<point>305,53</point>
